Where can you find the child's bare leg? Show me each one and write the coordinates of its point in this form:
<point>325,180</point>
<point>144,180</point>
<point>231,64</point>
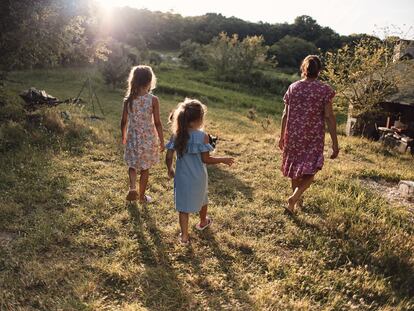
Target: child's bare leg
<point>143,181</point>
<point>203,216</point>
<point>132,172</point>
<point>183,219</point>
<point>305,183</point>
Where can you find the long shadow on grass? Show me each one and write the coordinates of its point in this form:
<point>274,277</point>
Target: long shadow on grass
<point>397,270</point>
<point>161,287</point>
<point>226,186</point>
<point>237,298</point>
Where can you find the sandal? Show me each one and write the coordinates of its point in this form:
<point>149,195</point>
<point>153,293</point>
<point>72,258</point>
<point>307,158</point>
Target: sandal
<point>147,199</point>
<point>209,222</point>
<point>132,195</point>
<point>183,242</point>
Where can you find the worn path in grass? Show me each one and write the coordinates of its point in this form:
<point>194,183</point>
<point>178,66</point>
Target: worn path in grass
<point>79,246</point>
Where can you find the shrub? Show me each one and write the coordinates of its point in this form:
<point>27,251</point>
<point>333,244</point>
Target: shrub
<point>155,58</point>
<point>231,57</point>
<point>115,70</point>
<point>12,135</point>
<point>10,107</point>
<point>290,51</point>
<point>53,122</point>
<point>193,55</point>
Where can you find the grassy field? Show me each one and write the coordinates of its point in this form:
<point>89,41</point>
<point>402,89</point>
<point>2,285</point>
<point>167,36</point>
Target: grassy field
<point>69,241</point>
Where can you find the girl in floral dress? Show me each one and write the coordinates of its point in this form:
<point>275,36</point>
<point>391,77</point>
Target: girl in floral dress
<point>308,103</point>
<point>141,130</point>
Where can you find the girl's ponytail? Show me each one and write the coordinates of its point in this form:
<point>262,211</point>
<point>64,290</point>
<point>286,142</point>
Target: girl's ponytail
<point>182,134</point>
<point>189,111</point>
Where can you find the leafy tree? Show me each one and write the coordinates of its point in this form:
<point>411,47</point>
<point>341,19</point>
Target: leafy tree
<point>231,57</point>
<point>193,55</point>
<point>290,51</point>
<point>362,75</point>
<point>115,70</point>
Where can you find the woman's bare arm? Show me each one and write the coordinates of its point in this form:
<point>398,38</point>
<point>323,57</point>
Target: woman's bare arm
<point>331,122</point>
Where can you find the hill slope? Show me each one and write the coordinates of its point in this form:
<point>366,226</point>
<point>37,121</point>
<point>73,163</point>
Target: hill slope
<point>70,241</point>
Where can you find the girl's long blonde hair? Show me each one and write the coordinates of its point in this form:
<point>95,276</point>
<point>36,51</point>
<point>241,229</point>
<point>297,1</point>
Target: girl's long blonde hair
<point>186,112</point>
<point>139,77</point>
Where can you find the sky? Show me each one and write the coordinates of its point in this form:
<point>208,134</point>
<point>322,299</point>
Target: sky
<point>343,16</point>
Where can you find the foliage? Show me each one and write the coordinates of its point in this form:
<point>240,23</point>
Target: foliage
<point>76,245</point>
<point>231,57</point>
<point>193,55</point>
<point>115,70</point>
<point>290,51</point>
<point>47,34</point>
<point>155,58</point>
<point>361,74</point>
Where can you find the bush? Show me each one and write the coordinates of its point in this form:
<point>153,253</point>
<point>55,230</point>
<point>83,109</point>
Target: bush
<point>115,70</point>
<point>290,51</point>
<point>193,55</point>
<point>231,57</point>
<point>53,122</point>
<point>10,107</point>
<point>12,135</point>
<point>155,58</point>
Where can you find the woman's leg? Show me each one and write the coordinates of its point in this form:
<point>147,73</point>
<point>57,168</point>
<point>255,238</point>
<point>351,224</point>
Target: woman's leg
<point>304,184</point>
<point>132,172</point>
<point>143,181</point>
<point>203,216</point>
<point>296,182</point>
<point>183,219</point>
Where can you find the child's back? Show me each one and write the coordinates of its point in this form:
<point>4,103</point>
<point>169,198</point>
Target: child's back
<point>142,142</point>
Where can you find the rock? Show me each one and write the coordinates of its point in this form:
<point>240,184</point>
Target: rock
<point>406,188</point>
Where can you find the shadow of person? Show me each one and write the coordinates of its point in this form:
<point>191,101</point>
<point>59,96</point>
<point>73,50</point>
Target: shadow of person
<point>161,287</point>
<point>237,298</point>
<point>360,250</point>
<point>225,186</point>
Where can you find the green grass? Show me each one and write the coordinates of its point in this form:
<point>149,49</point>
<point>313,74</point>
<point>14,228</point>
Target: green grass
<point>76,244</point>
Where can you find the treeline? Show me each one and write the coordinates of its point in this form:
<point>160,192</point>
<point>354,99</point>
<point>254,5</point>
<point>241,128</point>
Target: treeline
<point>47,33</point>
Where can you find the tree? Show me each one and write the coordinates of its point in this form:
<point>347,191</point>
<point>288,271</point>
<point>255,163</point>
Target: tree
<point>115,70</point>
<point>362,75</point>
<point>290,51</point>
<point>231,57</point>
<point>193,55</point>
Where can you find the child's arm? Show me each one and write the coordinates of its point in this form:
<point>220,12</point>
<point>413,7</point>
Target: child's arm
<point>157,121</point>
<point>124,121</point>
<point>169,162</point>
<point>207,159</point>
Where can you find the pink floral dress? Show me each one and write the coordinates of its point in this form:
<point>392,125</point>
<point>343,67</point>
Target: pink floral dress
<point>141,151</point>
<point>305,102</point>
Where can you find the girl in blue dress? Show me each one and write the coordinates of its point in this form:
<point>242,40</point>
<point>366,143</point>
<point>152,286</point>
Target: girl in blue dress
<point>192,147</point>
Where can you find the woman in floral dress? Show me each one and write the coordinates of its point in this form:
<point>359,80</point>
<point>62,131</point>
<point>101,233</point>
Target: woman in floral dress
<point>308,104</point>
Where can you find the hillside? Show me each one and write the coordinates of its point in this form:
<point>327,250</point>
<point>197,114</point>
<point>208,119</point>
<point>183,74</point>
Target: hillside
<point>69,241</point>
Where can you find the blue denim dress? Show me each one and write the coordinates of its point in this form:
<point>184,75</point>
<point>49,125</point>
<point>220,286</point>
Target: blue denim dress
<point>191,178</point>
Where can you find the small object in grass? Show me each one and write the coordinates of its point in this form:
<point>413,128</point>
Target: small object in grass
<point>251,114</point>
<point>212,140</point>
